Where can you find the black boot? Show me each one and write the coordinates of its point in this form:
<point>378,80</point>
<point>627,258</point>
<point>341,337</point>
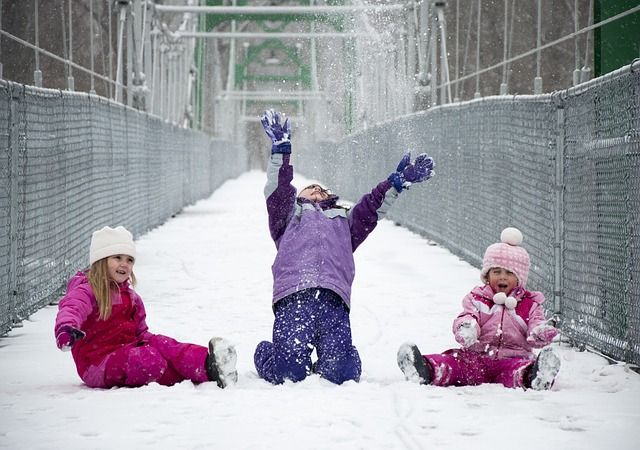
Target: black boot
<point>221,362</point>
<point>543,371</point>
<point>413,365</point>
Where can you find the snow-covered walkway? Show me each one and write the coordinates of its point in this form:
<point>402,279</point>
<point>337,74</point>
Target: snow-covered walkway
<point>207,272</point>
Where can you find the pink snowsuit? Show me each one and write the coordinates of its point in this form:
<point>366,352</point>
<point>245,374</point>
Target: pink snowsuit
<point>502,353</point>
<point>120,351</point>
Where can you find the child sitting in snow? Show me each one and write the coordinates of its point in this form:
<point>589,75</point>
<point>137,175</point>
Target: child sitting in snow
<point>500,325</point>
<point>314,268</point>
<point>101,319</point>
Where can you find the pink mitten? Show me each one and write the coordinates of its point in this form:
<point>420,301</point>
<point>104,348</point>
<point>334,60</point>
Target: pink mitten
<point>542,335</point>
<point>467,334</point>
<point>67,336</point>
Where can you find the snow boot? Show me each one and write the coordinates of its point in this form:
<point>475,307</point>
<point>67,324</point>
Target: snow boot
<point>221,362</point>
<point>413,365</point>
<point>544,370</point>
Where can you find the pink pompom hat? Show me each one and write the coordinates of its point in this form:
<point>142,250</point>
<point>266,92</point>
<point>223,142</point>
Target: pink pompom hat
<point>507,254</point>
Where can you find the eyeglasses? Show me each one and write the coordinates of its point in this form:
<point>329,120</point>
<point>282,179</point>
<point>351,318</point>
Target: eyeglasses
<point>319,188</point>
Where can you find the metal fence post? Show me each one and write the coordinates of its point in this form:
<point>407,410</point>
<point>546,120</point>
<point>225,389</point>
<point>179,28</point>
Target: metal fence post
<point>14,204</point>
<point>558,243</point>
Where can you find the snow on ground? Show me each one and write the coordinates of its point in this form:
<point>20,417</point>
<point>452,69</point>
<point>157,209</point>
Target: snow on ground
<point>207,272</point>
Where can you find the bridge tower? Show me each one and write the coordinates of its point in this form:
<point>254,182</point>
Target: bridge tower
<point>272,62</point>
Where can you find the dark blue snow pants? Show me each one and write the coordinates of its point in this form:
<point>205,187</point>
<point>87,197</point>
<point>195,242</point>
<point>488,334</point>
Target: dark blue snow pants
<point>308,319</point>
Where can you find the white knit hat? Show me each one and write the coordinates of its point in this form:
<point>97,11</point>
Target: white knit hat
<point>109,241</point>
<point>508,255</point>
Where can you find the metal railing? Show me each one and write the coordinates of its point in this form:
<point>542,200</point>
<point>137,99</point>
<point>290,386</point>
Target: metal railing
<point>562,167</point>
<point>71,163</point>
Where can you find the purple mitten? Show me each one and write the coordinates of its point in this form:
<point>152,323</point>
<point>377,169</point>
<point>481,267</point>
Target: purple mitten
<point>67,336</point>
<point>407,173</point>
<point>420,170</point>
<point>467,334</point>
<point>542,335</point>
<point>280,133</point>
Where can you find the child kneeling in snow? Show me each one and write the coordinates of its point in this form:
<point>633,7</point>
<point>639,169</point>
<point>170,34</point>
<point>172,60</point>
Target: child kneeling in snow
<point>101,319</point>
<point>314,266</point>
<point>501,324</point>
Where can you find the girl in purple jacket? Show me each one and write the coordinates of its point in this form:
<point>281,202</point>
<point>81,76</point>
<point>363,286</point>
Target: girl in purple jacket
<point>500,326</point>
<point>101,319</point>
<point>314,269</point>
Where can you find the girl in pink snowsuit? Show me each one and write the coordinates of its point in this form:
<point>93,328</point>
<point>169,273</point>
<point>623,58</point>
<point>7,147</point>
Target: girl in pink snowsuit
<point>101,319</point>
<point>498,329</point>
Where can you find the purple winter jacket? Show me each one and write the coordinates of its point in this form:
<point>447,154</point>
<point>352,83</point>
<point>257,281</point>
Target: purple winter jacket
<point>503,332</point>
<point>126,326</point>
<point>316,240</point>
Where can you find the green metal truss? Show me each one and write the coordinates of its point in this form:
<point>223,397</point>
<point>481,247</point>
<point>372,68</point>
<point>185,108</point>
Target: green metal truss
<point>301,75</point>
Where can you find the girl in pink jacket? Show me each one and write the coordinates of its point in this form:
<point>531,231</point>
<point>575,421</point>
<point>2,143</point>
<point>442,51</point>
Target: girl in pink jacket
<point>101,319</point>
<point>498,329</point>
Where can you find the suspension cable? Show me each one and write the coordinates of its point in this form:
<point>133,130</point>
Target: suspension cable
<point>38,74</point>
<point>54,56</point>
<point>513,15</point>
<point>93,88</point>
<point>505,43</point>
<point>70,78</point>
<point>539,38</point>
<point>576,27</point>
<point>550,44</point>
<point>589,20</point>
<point>65,47</point>
<point>457,47</point>
<point>477,93</point>
<point>1,74</point>
<point>110,51</point>
<point>467,45</point>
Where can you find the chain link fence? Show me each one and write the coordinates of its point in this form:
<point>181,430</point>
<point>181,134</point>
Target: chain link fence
<point>562,167</point>
<point>71,163</point>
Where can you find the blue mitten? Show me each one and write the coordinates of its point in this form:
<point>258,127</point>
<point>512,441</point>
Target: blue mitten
<point>280,133</point>
<point>407,173</point>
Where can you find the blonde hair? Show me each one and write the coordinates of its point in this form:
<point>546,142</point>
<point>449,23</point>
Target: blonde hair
<point>103,286</point>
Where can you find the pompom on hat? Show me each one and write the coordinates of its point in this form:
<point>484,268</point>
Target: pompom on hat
<point>507,254</point>
<point>109,241</point>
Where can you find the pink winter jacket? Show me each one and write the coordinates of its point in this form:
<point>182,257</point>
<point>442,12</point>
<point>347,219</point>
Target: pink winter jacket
<point>502,332</point>
<point>126,326</point>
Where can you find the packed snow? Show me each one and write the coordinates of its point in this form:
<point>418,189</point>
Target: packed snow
<point>207,272</point>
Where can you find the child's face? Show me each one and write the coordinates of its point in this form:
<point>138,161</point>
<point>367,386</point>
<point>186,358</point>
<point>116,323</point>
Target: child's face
<point>120,267</point>
<point>502,280</point>
<point>315,193</point>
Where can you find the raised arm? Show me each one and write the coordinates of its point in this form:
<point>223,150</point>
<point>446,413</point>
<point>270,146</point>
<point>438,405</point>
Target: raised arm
<point>279,193</point>
<point>373,206</point>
